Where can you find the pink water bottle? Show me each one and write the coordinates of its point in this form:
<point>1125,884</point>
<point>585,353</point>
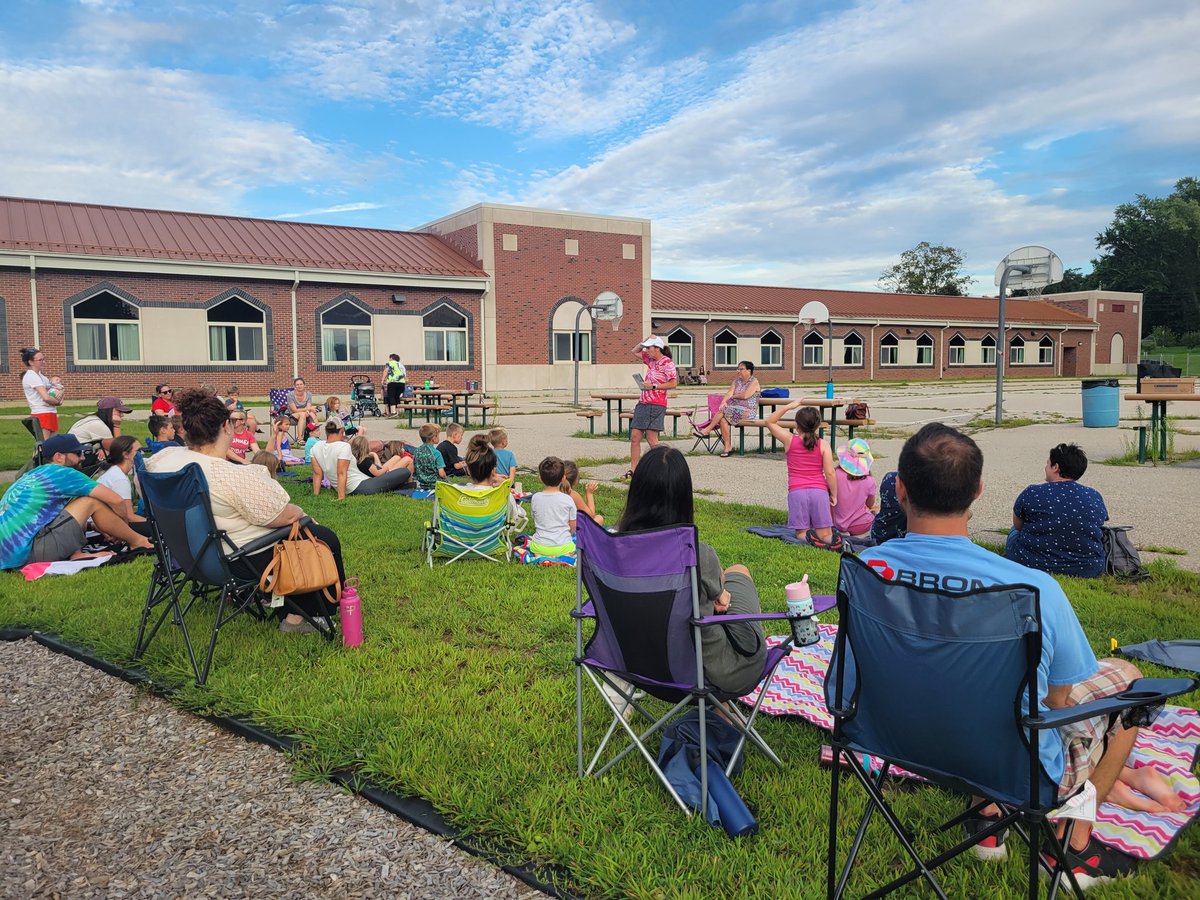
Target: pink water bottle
<point>801,613</point>
<point>352,632</point>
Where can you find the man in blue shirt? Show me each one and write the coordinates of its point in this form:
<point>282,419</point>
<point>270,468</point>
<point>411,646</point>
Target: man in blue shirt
<point>1056,525</point>
<point>939,476</point>
<point>44,515</point>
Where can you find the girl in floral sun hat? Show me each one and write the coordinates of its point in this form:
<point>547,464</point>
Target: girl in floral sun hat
<point>856,490</point>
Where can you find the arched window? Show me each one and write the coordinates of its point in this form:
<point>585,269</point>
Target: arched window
<point>987,350</point>
<point>924,350</point>
<point>679,342</point>
<point>1016,351</point>
<point>814,349</point>
<point>1046,351</point>
<point>346,334</point>
<point>107,330</point>
<point>236,332</point>
<point>889,350</point>
<point>852,350</point>
<point>770,350</point>
<point>725,350</point>
<point>445,335</point>
<point>957,351</point>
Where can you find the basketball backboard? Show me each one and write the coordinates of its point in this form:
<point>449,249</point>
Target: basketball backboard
<point>814,311</point>
<point>1044,268</point>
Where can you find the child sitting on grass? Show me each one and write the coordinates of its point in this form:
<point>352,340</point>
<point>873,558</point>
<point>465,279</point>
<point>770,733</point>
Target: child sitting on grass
<point>267,460</point>
<point>553,512</point>
<point>856,490</point>
<point>162,434</point>
<point>455,464</point>
<point>481,470</point>
<point>506,461</point>
<point>428,465</point>
<point>587,506</point>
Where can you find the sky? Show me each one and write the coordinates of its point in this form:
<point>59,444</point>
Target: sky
<point>790,142</point>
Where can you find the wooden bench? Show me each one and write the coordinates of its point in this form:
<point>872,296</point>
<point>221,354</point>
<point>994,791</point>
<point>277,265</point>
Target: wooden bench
<point>851,424</point>
<point>591,415</point>
<point>481,407</point>
<point>673,414</point>
<point>436,408</point>
<point>790,425</point>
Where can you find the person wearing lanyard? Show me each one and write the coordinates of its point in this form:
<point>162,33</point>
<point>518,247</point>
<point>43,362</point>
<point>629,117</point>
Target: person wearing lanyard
<point>651,411</point>
<point>394,380</point>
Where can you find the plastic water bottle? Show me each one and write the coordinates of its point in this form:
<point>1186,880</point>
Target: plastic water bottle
<point>352,629</point>
<point>801,613</point>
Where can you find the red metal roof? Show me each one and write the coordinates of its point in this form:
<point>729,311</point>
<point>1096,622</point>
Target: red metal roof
<point>735,299</point>
<point>48,226</point>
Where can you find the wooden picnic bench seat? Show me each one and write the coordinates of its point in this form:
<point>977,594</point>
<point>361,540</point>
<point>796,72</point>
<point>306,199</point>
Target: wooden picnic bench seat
<point>436,408</point>
<point>790,425</point>
<point>591,415</point>
<point>673,414</point>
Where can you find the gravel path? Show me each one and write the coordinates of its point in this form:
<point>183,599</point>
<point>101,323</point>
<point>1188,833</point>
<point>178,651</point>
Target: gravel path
<point>106,791</point>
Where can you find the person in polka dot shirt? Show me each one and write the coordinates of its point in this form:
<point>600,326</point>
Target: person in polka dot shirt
<point>1056,525</point>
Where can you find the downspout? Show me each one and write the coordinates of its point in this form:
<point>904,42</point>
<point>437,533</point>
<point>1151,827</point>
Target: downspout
<point>942,352</point>
<point>295,329</point>
<point>704,338</point>
<point>794,327</point>
<point>483,340</point>
<point>33,297</point>
<point>1059,352</point>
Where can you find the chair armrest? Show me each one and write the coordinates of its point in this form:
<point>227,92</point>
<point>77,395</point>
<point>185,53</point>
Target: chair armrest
<point>726,618</point>
<point>268,540</point>
<point>1142,692</point>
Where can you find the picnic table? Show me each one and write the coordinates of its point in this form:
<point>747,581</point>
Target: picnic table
<point>833,404</point>
<point>1158,421</point>
<point>619,400</point>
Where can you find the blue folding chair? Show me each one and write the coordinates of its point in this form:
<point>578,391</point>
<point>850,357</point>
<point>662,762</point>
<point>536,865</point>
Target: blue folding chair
<point>643,594</point>
<point>945,686</point>
<point>191,550</point>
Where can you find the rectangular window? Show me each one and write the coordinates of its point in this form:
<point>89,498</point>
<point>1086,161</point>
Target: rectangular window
<point>889,355</point>
<point>105,342</point>
<point>771,355</point>
<point>987,354</point>
<point>682,354</point>
<point>345,344</point>
<point>725,356</point>
<point>814,354</point>
<point>562,346</point>
<point>852,355</point>
<point>958,355</point>
<point>1046,354</point>
<point>924,355</point>
<point>445,345</point>
<point>236,343</point>
<point>1016,354</point>
<point>1118,307</point>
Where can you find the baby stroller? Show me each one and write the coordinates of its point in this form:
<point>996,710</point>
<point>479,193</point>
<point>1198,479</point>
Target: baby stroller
<point>362,397</point>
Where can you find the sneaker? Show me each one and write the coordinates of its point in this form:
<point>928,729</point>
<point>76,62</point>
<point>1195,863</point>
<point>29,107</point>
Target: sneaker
<point>1094,864</point>
<point>990,849</point>
<point>303,626</point>
<point>834,543</point>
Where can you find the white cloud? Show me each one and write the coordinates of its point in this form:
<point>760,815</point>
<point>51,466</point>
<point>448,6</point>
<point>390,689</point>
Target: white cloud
<point>852,139</point>
<point>331,210</point>
<point>158,138</point>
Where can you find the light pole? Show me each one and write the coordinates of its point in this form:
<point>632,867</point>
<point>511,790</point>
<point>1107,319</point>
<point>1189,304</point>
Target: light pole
<point>813,313</point>
<point>607,305</point>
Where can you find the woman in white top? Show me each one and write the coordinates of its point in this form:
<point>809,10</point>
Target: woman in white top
<point>334,461</point>
<point>44,394</point>
<point>116,475</point>
<point>246,502</point>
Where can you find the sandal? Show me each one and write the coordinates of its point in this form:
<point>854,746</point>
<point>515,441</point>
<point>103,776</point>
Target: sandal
<point>628,474</point>
<point>725,454</point>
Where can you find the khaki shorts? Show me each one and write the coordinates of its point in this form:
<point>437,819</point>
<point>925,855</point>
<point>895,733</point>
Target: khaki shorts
<point>1084,742</point>
<point>57,540</point>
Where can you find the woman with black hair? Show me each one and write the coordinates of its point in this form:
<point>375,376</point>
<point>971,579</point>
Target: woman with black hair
<point>115,477</point>
<point>660,496</point>
<point>246,502</point>
<point>102,426</point>
<point>44,394</point>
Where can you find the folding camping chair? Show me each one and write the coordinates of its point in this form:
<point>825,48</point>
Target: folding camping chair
<point>277,397</point>
<point>190,549</point>
<point>945,686</point>
<point>643,593</point>
<point>468,524</point>
<point>710,442</point>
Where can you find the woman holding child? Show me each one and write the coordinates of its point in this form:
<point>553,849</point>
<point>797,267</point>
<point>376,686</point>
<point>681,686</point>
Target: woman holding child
<point>246,503</point>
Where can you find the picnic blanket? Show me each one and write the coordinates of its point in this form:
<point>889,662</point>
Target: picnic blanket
<point>1170,745</point>
<point>788,536</point>
<point>523,554</point>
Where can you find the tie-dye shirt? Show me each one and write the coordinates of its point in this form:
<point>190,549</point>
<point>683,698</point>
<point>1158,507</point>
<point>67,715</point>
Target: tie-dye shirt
<point>32,503</point>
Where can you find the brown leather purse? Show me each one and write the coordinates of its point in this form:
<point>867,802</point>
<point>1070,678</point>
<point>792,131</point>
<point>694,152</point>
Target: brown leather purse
<point>858,410</point>
<point>301,564</point>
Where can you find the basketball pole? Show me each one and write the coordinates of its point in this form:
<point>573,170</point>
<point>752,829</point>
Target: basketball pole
<point>1001,344</point>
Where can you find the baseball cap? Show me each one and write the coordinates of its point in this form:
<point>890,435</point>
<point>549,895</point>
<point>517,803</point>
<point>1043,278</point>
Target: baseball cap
<point>112,403</point>
<point>61,443</point>
<point>653,341</point>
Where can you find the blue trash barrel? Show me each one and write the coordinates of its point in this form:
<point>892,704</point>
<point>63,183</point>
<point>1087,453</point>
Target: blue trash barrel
<point>1101,403</point>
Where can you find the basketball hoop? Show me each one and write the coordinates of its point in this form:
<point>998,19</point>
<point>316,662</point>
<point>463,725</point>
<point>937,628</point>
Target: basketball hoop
<point>607,305</point>
<point>1029,269</point>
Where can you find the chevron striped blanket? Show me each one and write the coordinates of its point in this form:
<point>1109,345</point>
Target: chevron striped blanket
<point>1171,745</point>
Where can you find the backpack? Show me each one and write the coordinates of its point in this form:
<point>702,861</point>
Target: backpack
<point>858,410</point>
<point>1120,555</point>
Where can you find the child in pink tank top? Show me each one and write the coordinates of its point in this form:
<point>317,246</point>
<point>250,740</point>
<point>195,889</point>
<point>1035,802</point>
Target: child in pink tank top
<point>812,485</point>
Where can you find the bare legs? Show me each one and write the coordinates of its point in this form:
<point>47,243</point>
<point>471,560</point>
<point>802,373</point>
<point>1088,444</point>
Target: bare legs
<point>107,520</point>
<point>635,445</point>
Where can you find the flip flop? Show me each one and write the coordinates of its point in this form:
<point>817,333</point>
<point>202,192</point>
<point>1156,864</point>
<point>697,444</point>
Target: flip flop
<point>628,474</point>
<point>725,454</point>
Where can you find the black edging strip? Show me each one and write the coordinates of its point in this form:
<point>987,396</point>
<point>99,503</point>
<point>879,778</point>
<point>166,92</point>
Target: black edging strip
<point>415,810</point>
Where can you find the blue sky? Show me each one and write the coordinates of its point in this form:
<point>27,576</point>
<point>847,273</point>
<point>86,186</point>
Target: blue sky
<point>798,143</point>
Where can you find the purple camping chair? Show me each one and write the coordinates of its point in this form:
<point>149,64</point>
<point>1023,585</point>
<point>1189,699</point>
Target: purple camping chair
<point>644,598</point>
<point>710,442</point>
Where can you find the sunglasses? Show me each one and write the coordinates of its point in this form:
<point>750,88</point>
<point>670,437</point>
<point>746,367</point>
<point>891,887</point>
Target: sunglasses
<point>167,391</point>
<point>237,418</point>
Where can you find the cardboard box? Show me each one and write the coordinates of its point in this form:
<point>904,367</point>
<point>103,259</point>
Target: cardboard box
<point>1168,386</point>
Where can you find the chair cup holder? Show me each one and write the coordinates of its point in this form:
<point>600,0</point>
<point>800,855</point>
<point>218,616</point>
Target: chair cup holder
<point>1138,695</point>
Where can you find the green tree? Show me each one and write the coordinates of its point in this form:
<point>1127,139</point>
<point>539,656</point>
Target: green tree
<point>1072,280</point>
<point>1153,246</point>
<point>927,269</point>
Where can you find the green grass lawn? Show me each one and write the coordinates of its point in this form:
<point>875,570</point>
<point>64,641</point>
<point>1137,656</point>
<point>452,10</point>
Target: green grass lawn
<point>463,693</point>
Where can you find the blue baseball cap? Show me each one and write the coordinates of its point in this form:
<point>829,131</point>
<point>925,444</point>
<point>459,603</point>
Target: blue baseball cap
<point>61,443</point>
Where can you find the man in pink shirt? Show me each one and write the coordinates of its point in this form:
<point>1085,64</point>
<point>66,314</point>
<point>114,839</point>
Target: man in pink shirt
<point>651,411</point>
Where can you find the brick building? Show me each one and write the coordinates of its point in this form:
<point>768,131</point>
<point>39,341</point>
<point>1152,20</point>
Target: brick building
<point>119,299</point>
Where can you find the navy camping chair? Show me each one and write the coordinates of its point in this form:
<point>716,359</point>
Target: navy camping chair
<point>945,686</point>
<point>643,596</point>
<point>192,551</point>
